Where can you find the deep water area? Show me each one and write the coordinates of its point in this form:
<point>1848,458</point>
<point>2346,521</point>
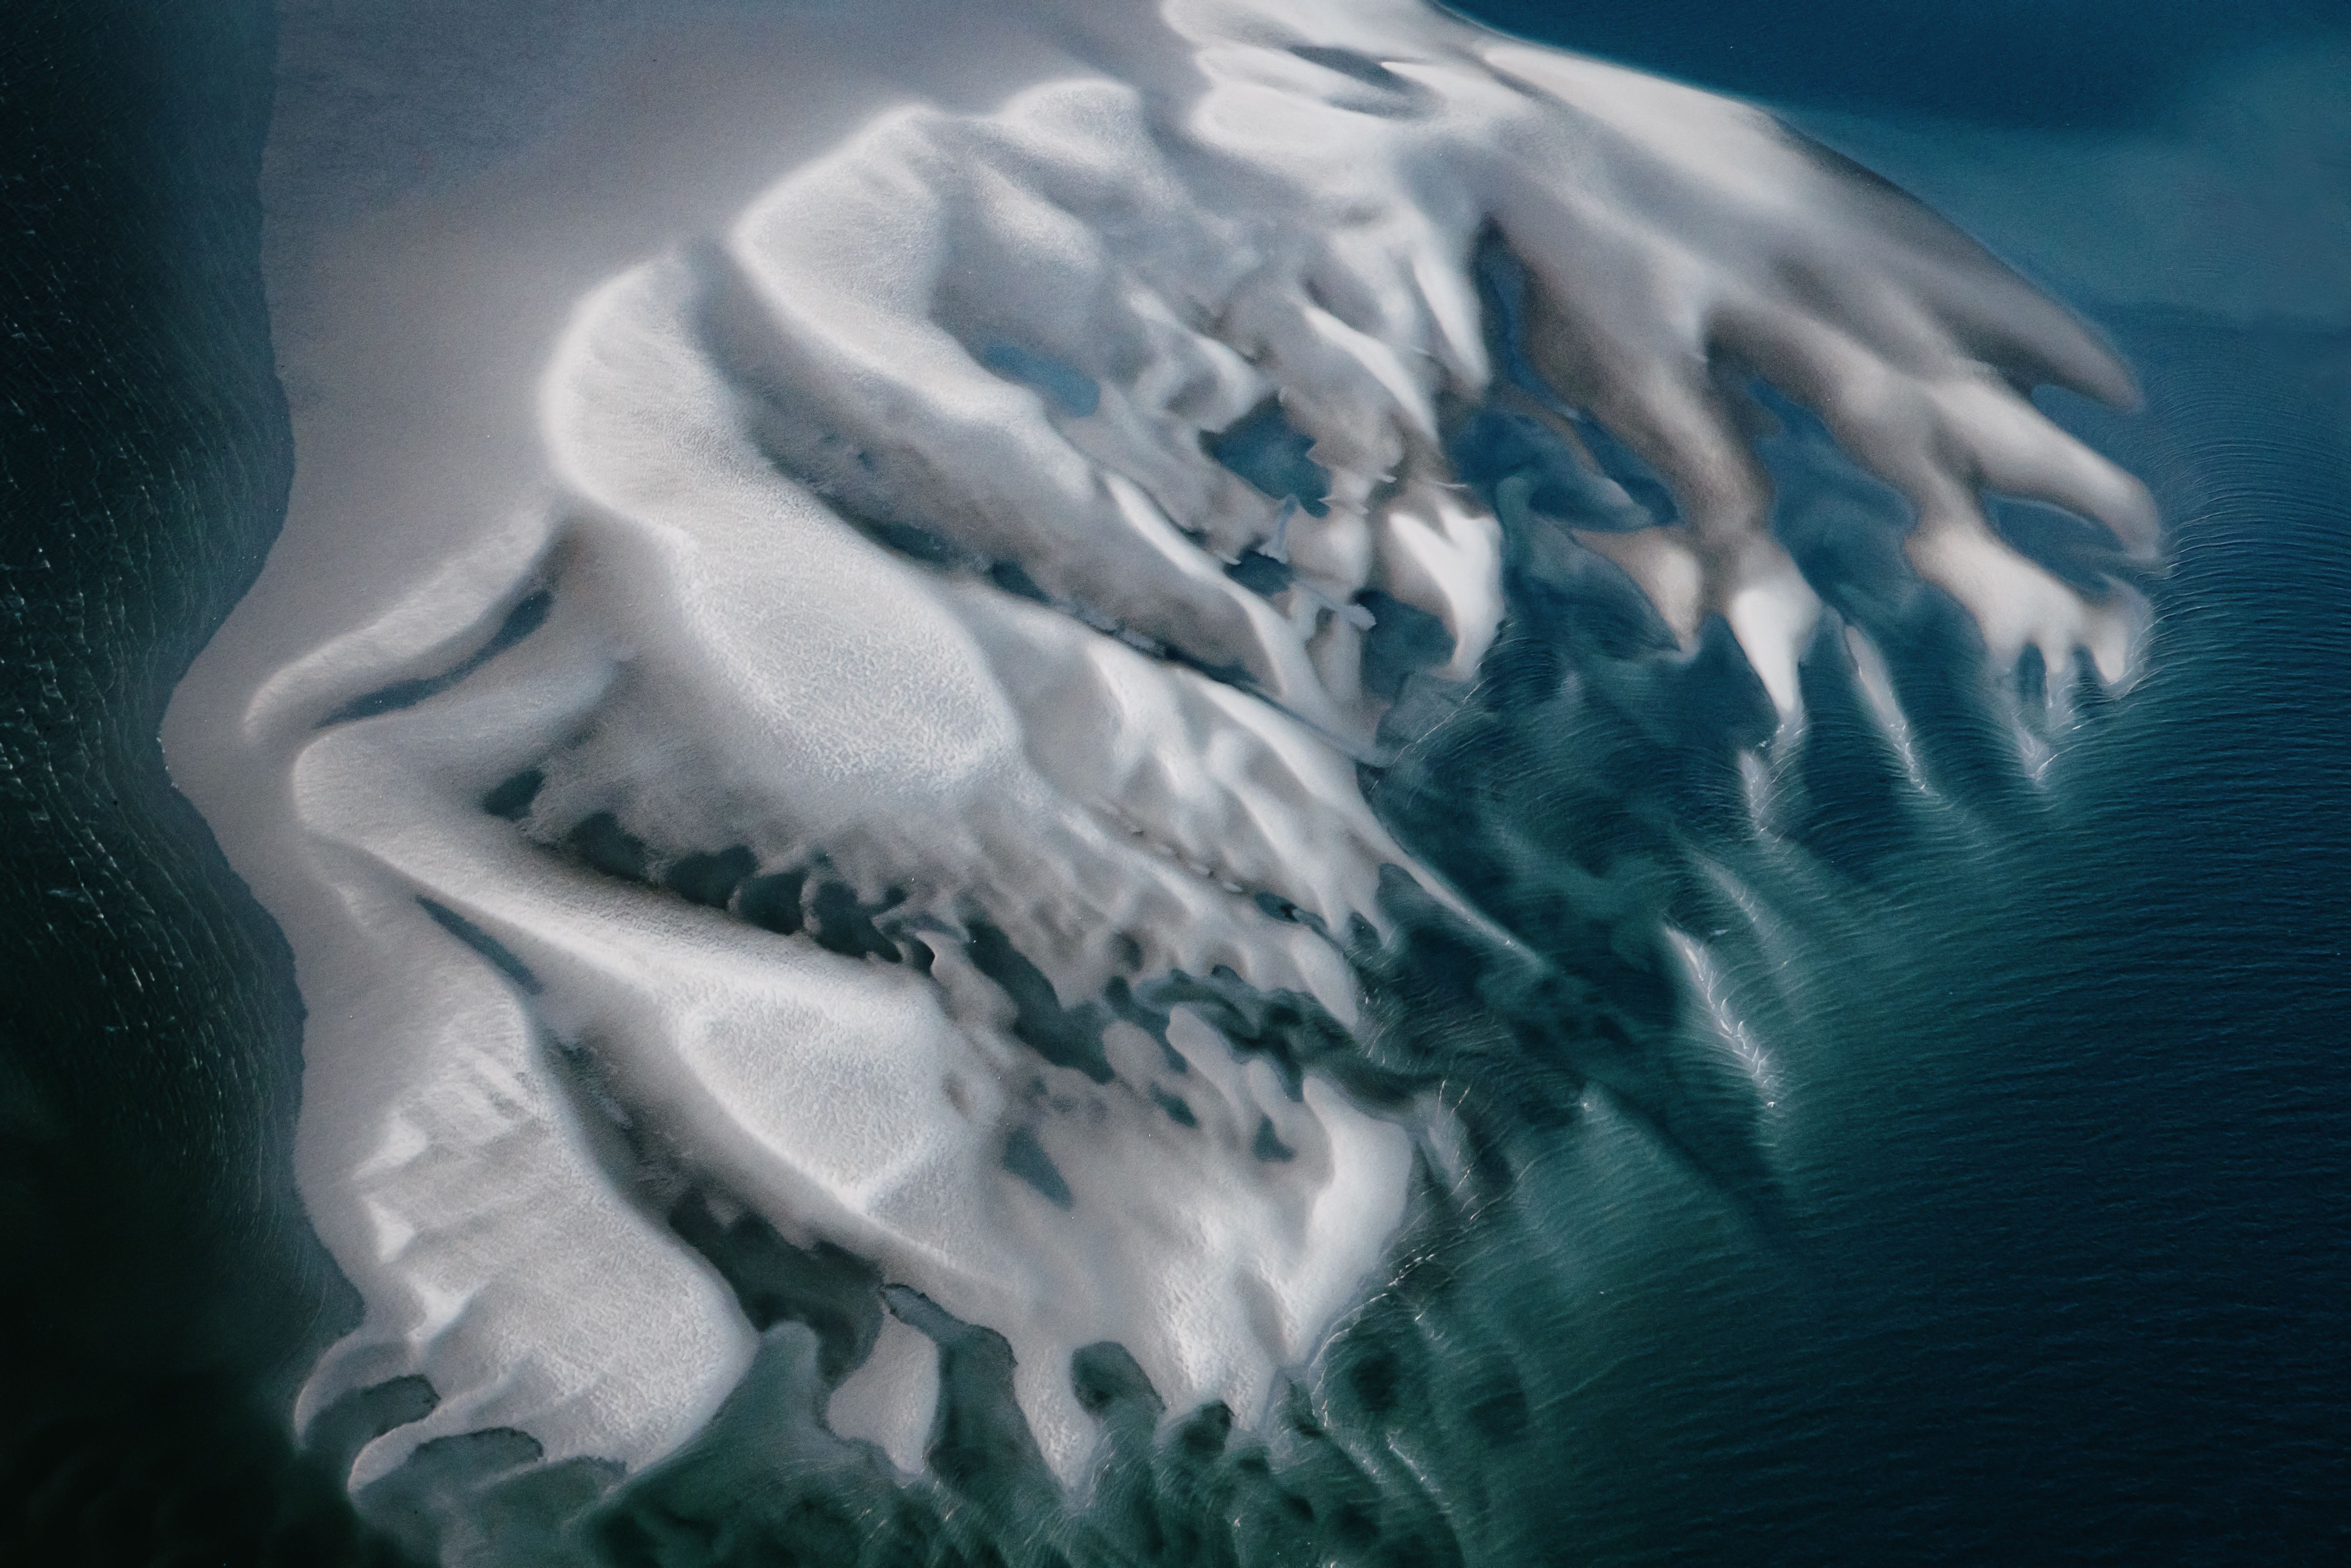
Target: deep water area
<point>2006,1218</point>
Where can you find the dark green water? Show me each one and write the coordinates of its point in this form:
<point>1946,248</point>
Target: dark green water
<point>2056,1255</point>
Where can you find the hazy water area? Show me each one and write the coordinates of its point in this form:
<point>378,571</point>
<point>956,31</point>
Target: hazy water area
<point>2050,1074</point>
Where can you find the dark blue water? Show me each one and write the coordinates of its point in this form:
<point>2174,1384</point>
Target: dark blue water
<point>2075,1104</point>
<point>2063,1100</point>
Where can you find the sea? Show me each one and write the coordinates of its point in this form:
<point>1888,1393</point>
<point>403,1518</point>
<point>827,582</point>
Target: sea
<point>2050,1066</point>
